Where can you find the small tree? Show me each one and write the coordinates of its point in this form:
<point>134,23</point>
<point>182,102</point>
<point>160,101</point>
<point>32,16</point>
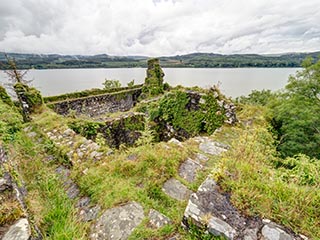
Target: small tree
<point>29,98</point>
<point>131,83</point>
<point>296,113</point>
<point>108,84</point>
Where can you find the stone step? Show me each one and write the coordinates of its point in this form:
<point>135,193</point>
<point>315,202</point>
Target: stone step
<point>176,189</point>
<point>188,170</point>
<point>118,223</point>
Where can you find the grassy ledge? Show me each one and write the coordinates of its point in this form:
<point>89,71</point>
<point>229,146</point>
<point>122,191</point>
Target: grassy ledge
<point>287,193</point>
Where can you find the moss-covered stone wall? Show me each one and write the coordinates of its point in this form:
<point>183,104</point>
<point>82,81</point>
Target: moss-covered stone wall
<point>153,84</point>
<point>99,104</point>
<point>124,130</point>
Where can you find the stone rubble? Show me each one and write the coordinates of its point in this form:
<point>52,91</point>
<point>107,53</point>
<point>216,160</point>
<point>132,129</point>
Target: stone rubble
<point>67,138</point>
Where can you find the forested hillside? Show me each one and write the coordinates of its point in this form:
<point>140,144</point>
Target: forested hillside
<point>194,60</point>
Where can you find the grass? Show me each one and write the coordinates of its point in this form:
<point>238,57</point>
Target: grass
<point>250,172</point>
<point>47,203</point>
<point>261,184</point>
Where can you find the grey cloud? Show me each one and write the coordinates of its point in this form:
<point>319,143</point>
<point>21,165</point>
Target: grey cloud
<point>159,27</point>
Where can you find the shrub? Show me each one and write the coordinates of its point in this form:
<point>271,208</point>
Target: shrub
<point>109,84</point>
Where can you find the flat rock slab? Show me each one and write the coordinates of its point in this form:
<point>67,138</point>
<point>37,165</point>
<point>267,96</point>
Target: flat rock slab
<point>19,231</point>
<point>89,213</point>
<point>158,220</point>
<point>176,189</point>
<point>212,148</point>
<point>200,158</point>
<point>272,231</point>
<point>118,223</point>
<point>188,170</point>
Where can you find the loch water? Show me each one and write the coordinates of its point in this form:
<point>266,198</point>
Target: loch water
<point>233,82</point>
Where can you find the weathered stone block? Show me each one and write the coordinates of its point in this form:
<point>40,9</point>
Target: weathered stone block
<point>19,231</point>
<point>118,223</point>
<point>176,189</point>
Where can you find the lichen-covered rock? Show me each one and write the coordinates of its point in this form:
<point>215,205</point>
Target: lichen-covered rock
<point>210,209</point>
<point>176,189</point>
<point>175,141</point>
<point>212,148</point>
<point>158,220</point>
<point>217,227</point>
<point>5,183</point>
<point>19,231</point>
<point>272,231</point>
<point>188,170</point>
<point>118,223</point>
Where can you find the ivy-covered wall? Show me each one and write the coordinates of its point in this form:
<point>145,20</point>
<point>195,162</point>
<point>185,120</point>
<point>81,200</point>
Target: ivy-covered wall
<point>184,114</point>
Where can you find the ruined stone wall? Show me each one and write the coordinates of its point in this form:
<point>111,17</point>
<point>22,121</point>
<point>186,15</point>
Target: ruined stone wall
<point>98,105</point>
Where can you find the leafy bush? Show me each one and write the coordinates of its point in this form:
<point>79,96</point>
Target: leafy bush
<point>109,84</point>
<point>301,170</point>
<point>296,113</point>
<point>256,97</point>
<point>131,83</point>
<point>5,97</point>
<point>87,129</point>
<point>30,95</point>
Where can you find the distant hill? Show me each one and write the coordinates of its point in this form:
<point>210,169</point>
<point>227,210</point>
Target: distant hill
<point>193,60</point>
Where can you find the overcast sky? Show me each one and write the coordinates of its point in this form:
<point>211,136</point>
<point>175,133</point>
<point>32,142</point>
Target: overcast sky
<point>159,27</point>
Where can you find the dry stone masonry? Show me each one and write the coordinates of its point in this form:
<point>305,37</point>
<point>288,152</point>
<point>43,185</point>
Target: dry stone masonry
<point>79,149</point>
<point>98,105</point>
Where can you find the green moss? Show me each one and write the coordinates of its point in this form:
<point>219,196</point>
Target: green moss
<point>153,84</point>
<point>174,109</point>
<point>5,97</point>
<point>10,122</point>
<point>87,93</point>
<point>88,129</point>
<point>30,95</point>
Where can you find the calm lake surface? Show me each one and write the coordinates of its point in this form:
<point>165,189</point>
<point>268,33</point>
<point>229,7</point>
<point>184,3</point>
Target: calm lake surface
<point>233,82</point>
